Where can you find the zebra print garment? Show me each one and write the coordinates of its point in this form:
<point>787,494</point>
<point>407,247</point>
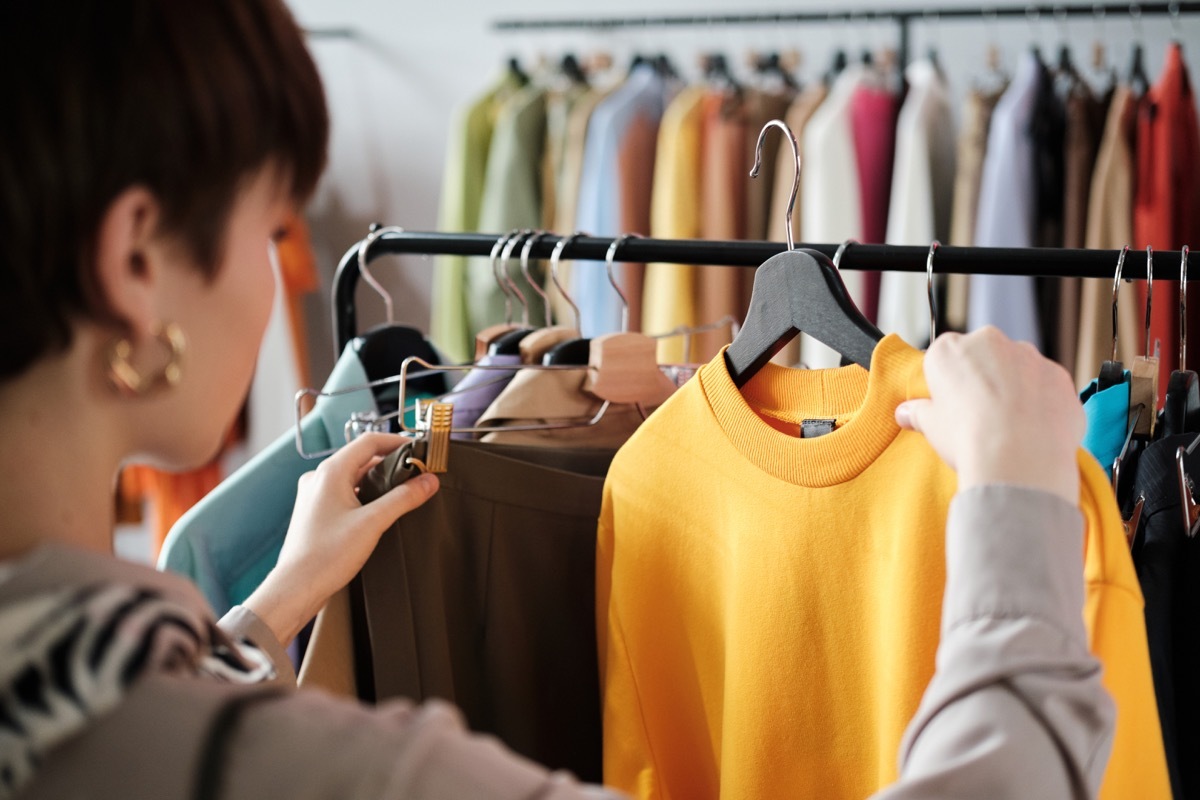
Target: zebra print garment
<point>69,656</point>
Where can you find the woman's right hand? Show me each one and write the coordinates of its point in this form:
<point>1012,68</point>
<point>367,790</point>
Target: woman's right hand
<point>999,412</point>
<point>332,534</point>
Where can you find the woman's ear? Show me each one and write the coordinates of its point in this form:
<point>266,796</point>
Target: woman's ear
<point>130,258</point>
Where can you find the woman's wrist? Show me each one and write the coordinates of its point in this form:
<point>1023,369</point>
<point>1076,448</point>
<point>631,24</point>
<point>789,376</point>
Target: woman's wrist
<point>281,609</point>
<point>1053,472</point>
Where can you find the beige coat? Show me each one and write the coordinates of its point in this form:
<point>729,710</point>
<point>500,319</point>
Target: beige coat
<point>993,716</point>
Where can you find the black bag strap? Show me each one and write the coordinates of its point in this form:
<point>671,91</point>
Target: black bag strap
<point>214,757</point>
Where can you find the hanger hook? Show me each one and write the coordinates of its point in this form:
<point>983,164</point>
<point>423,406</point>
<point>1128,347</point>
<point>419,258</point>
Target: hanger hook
<point>1060,21</point>
<point>1173,13</point>
<point>762,135</point>
<point>1135,15</point>
<point>1183,265</point>
<point>525,251</point>
<point>841,251</point>
<point>1149,292</point>
<point>1116,290</point>
<point>495,260</point>
<point>931,16</point>
<point>609,257</point>
<point>363,247</point>
<point>933,248</point>
<point>505,255</point>
<point>563,244</point>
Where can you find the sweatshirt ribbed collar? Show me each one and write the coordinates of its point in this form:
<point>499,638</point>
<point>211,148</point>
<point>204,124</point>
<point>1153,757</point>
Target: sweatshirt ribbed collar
<point>863,403</point>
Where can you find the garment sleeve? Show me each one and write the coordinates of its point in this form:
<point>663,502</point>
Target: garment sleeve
<point>1015,708</point>
<point>397,750</point>
<point>242,623</point>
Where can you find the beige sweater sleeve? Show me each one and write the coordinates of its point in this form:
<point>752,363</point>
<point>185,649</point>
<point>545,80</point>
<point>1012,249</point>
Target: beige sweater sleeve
<point>1015,708</point>
<point>242,623</point>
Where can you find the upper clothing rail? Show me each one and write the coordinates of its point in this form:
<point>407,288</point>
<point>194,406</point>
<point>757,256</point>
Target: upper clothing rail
<point>1034,262</point>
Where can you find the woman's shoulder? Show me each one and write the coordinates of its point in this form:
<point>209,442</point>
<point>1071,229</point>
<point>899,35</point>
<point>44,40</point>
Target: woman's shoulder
<point>58,567</point>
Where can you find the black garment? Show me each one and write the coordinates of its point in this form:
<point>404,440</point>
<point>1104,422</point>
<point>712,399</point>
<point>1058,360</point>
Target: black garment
<point>1047,130</point>
<point>1168,567</point>
<point>485,596</point>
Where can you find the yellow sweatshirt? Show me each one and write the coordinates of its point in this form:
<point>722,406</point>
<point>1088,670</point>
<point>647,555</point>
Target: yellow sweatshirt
<point>768,606</point>
<point>668,295</point>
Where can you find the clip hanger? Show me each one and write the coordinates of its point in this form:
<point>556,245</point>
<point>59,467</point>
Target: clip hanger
<point>1130,525</point>
<point>1188,504</point>
<point>434,422</point>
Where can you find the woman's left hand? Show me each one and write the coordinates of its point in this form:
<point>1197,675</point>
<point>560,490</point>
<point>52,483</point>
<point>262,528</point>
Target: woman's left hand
<point>332,534</point>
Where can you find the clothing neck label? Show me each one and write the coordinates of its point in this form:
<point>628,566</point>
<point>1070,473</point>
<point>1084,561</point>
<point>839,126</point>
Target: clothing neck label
<point>812,428</point>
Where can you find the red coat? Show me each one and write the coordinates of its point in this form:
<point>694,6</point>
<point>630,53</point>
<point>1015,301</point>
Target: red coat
<point>1166,207</point>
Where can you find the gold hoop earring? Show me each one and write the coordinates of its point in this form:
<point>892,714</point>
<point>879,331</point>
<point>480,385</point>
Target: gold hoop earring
<point>125,377</point>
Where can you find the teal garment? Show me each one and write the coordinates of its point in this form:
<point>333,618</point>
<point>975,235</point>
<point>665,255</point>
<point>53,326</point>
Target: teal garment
<point>467,148</point>
<point>512,199</point>
<point>230,540</point>
<point>1107,421</point>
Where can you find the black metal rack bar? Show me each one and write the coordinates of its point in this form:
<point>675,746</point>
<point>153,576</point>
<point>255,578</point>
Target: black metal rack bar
<point>900,15</point>
<point>903,17</point>
<point>1035,262</point>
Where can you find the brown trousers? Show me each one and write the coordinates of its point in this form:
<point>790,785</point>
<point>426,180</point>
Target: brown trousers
<point>485,596</point>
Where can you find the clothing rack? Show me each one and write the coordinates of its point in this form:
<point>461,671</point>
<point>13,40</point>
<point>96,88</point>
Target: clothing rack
<point>1029,262</point>
<point>902,17</point>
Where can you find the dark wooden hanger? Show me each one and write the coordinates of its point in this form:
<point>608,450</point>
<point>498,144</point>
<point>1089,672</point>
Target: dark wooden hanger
<point>797,291</point>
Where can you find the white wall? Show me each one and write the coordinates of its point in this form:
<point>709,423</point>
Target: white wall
<point>392,92</point>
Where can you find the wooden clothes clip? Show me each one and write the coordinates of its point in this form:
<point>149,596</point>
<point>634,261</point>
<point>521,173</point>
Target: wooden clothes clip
<point>1143,391</point>
<point>434,423</point>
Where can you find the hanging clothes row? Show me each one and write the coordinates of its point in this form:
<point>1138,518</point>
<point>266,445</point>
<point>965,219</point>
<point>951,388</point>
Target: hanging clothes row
<point>1055,156</point>
<point>491,594</point>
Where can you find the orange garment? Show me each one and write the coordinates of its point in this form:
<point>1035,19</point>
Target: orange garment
<point>168,495</point>
<point>1166,205</point>
<point>768,607</point>
<point>635,171</point>
<point>719,290</point>
<point>298,268</point>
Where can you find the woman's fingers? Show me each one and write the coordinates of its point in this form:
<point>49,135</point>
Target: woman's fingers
<point>351,458</point>
<point>400,500</point>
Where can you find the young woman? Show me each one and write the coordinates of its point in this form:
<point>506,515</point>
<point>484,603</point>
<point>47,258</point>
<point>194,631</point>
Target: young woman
<point>149,151</point>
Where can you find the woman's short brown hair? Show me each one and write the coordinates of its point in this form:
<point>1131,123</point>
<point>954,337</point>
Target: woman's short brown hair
<point>187,99</point>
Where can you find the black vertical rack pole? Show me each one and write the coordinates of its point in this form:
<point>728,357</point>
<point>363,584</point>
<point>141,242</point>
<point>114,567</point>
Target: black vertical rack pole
<point>1034,262</point>
<point>902,17</point>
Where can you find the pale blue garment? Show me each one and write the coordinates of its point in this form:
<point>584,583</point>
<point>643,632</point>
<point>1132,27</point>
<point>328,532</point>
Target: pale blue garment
<point>230,540</point>
<point>1107,419</point>
<point>480,387</point>
<point>1007,207</point>
<point>599,208</point>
